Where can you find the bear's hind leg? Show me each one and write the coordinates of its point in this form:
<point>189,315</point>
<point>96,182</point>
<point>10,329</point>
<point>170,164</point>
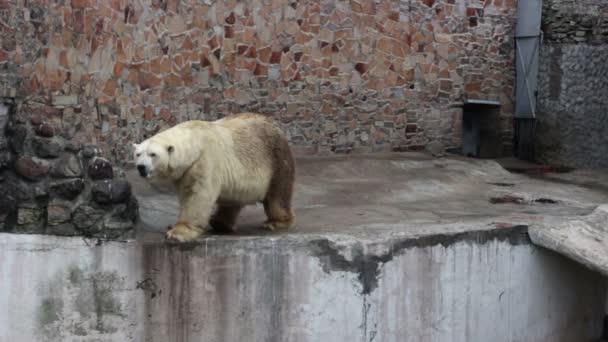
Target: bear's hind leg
<point>224,219</point>
<point>277,203</point>
<point>280,217</point>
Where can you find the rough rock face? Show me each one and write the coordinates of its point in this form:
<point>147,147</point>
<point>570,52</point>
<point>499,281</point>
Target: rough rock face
<point>572,129</point>
<point>341,76</point>
<point>47,191</point>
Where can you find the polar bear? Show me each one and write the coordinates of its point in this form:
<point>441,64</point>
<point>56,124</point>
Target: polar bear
<point>232,162</point>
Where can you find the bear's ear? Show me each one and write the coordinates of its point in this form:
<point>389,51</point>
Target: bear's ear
<point>170,149</point>
<point>135,145</point>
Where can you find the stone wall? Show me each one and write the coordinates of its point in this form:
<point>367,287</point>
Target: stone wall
<point>572,125</point>
<point>54,186</point>
<point>342,76</point>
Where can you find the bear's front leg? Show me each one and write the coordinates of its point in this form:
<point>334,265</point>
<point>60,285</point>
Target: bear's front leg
<point>194,216</point>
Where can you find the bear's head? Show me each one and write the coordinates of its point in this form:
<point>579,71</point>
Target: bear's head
<point>153,159</point>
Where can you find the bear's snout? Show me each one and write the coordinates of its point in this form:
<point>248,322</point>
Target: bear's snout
<point>142,170</point>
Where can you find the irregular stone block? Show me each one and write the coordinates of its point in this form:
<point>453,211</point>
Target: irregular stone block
<point>111,191</point>
<point>88,219</point>
<point>30,218</point>
<point>45,130</point>
<point>47,148</point>
<point>32,168</point>
<point>90,151</point>
<point>67,166</point>
<point>100,168</point>
<point>68,189</point>
<point>65,100</point>
<point>58,212</point>
<point>18,135</point>
<point>25,190</point>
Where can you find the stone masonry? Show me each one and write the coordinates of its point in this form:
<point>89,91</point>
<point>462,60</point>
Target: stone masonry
<point>55,186</point>
<point>341,76</point>
<point>572,126</point>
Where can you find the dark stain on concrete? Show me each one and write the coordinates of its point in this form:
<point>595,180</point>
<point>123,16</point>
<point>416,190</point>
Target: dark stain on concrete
<point>50,310</point>
<point>367,266</point>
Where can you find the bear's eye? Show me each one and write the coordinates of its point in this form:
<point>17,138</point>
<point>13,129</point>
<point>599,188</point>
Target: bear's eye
<point>152,155</point>
<point>138,154</point>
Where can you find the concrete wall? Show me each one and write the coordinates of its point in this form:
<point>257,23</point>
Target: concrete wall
<point>572,128</point>
<point>476,286</point>
<point>341,76</point>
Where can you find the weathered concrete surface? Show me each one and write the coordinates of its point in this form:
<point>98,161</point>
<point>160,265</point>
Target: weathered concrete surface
<point>491,285</point>
<point>584,239</point>
<point>388,248</point>
<point>400,192</point>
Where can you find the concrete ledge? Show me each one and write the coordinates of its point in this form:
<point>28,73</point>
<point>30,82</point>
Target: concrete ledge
<point>488,285</point>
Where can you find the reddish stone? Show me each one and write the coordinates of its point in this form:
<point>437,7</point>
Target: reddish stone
<point>110,87</point>
<point>411,128</point>
<point>260,70</point>
<point>361,67</point>
<point>32,168</point>
<point>148,113</point>
<point>230,19</point>
<point>79,3</point>
<point>241,49</point>
<point>275,58</point>
<point>187,45</point>
<point>252,53</point>
<point>173,81</point>
<point>228,31</point>
<point>118,69</point>
<point>472,21</point>
<point>147,81</point>
<point>165,114</point>
<point>394,16</point>
<point>445,85</point>
<point>333,71</point>
<point>297,56</point>
<point>45,130</point>
<point>264,54</point>
<point>165,65</point>
<point>204,61</point>
<point>155,66</point>
<point>471,12</point>
<point>472,86</point>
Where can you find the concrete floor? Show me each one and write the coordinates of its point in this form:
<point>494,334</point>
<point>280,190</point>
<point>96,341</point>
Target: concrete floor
<point>408,194</point>
<point>392,248</point>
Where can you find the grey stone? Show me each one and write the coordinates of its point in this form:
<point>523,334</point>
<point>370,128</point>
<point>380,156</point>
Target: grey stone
<point>65,100</point>
<point>67,166</point>
<point>68,189</point>
<point>111,191</point>
<point>47,148</point>
<point>58,212</point>
<point>32,168</point>
<point>18,137</point>
<point>63,229</point>
<point>88,219</point>
<point>100,168</point>
<point>90,151</point>
<point>25,190</point>
<point>30,218</point>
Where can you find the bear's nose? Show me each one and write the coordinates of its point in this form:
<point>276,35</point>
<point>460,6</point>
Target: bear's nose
<point>142,170</point>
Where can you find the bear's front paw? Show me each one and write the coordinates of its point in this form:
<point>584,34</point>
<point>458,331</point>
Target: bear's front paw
<point>183,232</point>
